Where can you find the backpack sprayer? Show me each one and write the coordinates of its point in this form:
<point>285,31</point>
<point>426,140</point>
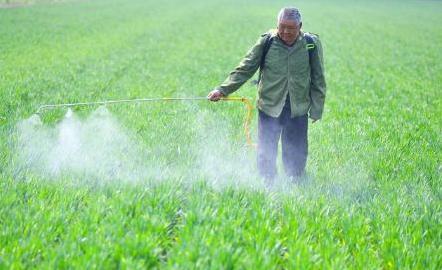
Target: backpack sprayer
<point>244,100</point>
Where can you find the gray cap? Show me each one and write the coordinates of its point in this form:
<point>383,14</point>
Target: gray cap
<point>290,14</point>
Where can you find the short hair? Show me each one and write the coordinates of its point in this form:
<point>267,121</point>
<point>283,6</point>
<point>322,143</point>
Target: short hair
<point>291,14</point>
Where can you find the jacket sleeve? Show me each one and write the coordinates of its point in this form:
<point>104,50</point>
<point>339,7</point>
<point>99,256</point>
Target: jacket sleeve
<point>318,85</point>
<point>245,70</point>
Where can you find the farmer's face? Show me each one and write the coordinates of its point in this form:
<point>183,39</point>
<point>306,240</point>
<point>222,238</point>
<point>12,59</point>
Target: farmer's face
<point>288,31</point>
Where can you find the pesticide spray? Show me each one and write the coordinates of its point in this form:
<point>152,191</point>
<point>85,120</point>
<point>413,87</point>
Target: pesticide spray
<point>99,147</point>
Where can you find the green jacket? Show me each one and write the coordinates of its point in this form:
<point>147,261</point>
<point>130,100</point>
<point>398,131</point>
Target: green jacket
<point>285,71</point>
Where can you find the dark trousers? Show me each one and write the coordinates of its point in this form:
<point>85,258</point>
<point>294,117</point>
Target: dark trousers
<point>293,133</point>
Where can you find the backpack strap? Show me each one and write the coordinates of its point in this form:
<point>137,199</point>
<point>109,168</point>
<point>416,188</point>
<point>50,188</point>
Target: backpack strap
<point>310,45</point>
<point>267,44</point>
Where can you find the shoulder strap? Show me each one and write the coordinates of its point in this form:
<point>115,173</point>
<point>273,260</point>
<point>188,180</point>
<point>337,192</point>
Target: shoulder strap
<point>267,44</point>
<point>310,45</point>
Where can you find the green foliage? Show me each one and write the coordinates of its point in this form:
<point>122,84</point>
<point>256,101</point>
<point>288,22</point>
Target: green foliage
<point>373,195</point>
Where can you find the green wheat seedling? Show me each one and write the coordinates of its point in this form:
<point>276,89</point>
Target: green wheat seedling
<point>156,186</point>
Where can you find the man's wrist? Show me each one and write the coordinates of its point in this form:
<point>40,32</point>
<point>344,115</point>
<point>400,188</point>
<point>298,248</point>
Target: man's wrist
<point>221,91</point>
<point>315,115</point>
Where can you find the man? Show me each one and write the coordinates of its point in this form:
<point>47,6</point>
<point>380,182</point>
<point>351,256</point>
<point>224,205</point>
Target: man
<point>291,86</point>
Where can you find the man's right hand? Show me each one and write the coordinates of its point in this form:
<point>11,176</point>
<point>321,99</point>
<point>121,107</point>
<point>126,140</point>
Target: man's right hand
<point>215,95</point>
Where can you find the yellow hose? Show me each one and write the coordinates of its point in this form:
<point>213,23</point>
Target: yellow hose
<point>247,119</point>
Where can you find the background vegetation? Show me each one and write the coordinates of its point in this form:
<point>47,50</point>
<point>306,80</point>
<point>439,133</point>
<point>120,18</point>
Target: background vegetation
<point>373,195</point>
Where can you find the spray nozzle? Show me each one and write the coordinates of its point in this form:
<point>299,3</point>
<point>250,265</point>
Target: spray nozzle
<point>69,113</point>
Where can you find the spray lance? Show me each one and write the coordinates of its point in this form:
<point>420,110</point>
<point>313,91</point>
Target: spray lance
<point>244,100</point>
